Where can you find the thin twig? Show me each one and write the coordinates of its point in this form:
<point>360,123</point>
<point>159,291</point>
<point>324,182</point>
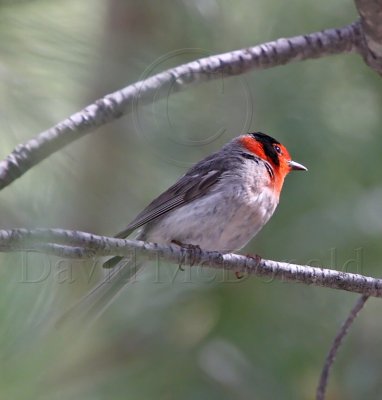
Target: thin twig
<point>330,358</point>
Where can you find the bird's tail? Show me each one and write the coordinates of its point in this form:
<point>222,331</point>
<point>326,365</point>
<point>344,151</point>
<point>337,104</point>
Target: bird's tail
<point>93,304</point>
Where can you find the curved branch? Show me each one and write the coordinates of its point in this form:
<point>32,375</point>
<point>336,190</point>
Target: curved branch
<point>117,104</point>
<point>78,244</point>
<point>371,23</point>
<point>329,360</point>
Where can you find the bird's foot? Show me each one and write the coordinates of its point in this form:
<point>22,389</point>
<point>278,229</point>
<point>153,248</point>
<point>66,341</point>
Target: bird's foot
<point>192,250</point>
<point>256,257</point>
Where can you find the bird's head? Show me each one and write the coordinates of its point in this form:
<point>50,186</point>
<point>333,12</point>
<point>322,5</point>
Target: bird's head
<point>273,153</point>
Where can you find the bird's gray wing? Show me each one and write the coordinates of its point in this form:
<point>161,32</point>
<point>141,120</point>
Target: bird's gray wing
<point>197,181</point>
<point>187,188</point>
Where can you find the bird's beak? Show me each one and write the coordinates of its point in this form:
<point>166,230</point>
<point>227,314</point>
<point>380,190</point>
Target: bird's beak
<point>295,166</point>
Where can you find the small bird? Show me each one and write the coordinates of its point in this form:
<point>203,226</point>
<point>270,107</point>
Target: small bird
<point>220,204</point>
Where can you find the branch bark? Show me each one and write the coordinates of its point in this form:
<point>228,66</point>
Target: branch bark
<point>76,244</point>
<point>371,32</point>
<point>121,102</point>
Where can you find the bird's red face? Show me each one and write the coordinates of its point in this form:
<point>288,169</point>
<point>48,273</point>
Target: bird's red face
<point>273,152</point>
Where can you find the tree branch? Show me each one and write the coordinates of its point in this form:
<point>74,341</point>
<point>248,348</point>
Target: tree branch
<point>371,32</point>
<point>121,102</point>
<point>76,244</point>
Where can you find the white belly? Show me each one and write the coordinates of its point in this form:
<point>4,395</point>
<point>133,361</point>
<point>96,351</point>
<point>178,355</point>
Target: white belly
<point>218,221</point>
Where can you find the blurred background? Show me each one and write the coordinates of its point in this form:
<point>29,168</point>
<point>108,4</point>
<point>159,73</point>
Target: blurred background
<point>173,334</point>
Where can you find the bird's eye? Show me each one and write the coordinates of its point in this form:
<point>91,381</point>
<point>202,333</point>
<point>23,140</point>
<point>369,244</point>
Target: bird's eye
<point>277,148</point>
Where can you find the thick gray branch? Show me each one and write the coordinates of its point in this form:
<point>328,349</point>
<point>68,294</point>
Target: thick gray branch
<point>371,23</point>
<point>75,244</point>
<point>117,104</point>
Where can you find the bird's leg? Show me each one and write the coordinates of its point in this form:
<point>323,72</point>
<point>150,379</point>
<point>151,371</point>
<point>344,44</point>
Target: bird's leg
<point>240,275</point>
<point>255,257</point>
<point>192,250</point>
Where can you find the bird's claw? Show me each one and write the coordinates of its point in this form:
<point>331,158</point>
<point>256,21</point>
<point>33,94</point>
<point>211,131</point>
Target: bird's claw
<point>256,257</point>
<point>192,252</point>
